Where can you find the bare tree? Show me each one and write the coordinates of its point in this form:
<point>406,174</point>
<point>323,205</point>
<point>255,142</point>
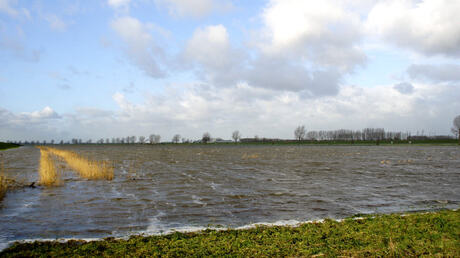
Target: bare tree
<point>236,135</point>
<point>141,139</point>
<point>312,135</point>
<point>176,138</point>
<point>454,132</point>
<point>154,138</point>
<point>457,127</point>
<point>206,137</point>
<point>299,132</point>
<point>133,139</point>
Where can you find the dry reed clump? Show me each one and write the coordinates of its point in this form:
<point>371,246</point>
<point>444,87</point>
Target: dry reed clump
<point>3,181</point>
<point>86,168</point>
<point>49,175</point>
<point>3,186</point>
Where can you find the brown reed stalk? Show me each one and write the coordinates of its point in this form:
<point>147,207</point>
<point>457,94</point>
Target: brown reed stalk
<point>3,187</point>
<point>85,168</point>
<point>49,176</point>
<point>3,181</point>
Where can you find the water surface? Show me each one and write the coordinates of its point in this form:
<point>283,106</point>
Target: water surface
<point>164,187</point>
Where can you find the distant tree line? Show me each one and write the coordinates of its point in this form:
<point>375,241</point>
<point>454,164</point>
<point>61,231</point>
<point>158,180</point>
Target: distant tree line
<point>300,134</point>
<point>367,134</point>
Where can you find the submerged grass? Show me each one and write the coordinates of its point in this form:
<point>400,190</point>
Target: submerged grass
<point>420,234</point>
<point>3,186</point>
<point>89,169</point>
<point>3,180</point>
<point>6,182</point>
<point>49,175</point>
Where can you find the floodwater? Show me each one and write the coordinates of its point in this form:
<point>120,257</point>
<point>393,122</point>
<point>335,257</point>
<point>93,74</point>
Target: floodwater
<point>161,188</point>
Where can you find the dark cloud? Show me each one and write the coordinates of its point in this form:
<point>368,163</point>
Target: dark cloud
<point>435,73</point>
<point>404,87</point>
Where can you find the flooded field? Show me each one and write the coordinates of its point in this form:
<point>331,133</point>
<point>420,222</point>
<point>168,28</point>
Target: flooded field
<point>161,188</point>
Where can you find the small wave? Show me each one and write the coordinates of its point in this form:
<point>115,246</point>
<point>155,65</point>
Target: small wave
<point>213,185</point>
<point>198,200</point>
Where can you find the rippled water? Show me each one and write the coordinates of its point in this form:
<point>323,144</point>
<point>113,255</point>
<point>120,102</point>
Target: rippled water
<point>160,188</point>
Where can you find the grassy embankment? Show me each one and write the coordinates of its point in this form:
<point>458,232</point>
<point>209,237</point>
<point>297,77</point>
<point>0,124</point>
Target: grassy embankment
<point>4,145</point>
<point>89,169</point>
<point>420,234</point>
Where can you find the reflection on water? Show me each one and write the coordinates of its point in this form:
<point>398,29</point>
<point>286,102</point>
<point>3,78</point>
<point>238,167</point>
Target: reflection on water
<point>159,188</point>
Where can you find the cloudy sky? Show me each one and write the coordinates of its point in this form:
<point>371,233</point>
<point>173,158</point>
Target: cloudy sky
<point>113,68</point>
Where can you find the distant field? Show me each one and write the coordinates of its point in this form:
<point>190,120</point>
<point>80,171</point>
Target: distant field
<point>4,145</point>
<point>420,234</point>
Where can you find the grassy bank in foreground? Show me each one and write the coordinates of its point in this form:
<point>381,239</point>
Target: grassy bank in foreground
<point>384,235</point>
<point>4,145</point>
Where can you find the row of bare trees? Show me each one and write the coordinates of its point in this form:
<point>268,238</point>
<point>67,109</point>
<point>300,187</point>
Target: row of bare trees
<point>367,134</point>
<point>300,133</point>
<point>152,139</point>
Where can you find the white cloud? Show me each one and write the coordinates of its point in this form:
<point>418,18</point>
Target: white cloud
<point>194,8</point>
<point>221,64</point>
<point>25,119</point>
<point>118,3</point>
<point>252,111</point>
<point>210,52</point>
<point>304,47</point>
<point>45,113</point>
<point>209,46</point>
<point>140,45</point>
<point>323,32</point>
<point>190,110</point>
<point>55,22</point>
<point>6,6</point>
<point>429,26</point>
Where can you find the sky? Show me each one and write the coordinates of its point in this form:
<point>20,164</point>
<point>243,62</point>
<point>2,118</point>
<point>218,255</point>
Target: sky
<point>115,68</point>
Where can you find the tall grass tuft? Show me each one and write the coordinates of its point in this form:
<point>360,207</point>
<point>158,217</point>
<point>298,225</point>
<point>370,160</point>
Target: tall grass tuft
<point>49,175</point>
<point>3,186</point>
<point>85,168</point>
<point>3,181</point>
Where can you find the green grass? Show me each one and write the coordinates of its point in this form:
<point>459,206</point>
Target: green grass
<point>4,145</point>
<point>419,234</point>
